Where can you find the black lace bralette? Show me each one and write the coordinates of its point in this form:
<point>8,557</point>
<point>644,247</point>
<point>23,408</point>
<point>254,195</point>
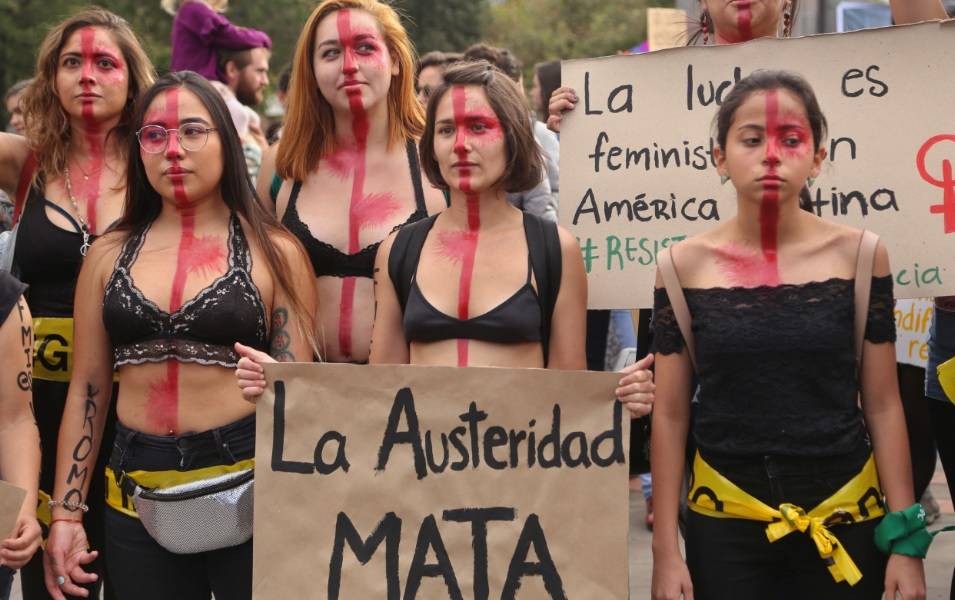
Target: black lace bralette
<point>203,330</point>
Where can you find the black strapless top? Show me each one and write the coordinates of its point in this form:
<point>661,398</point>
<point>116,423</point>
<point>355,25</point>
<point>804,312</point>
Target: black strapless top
<point>329,261</point>
<point>202,330</point>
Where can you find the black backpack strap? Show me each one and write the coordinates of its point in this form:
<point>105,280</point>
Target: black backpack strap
<point>543,243</point>
<point>405,254</point>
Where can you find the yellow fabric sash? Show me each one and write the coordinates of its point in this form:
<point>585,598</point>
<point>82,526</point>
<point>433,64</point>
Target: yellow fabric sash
<point>53,349</point>
<point>860,499</point>
<point>164,479</point>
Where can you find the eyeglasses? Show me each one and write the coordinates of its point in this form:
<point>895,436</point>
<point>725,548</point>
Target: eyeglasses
<point>154,139</point>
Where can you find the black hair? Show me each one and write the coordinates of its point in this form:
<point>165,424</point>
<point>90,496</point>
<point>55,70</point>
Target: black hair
<point>284,79</point>
<point>502,58</point>
<point>548,74</point>
<point>143,203</point>
<point>764,80</point>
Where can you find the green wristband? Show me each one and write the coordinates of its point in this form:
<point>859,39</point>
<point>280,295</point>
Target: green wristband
<point>903,532</point>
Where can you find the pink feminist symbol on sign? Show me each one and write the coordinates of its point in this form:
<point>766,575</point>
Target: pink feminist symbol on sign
<point>947,183</point>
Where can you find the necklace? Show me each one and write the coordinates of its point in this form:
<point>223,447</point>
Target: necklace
<point>84,228</point>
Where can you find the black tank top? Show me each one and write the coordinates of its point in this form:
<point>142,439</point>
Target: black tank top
<point>10,291</point>
<point>329,261</point>
<point>202,330</point>
<point>48,257</point>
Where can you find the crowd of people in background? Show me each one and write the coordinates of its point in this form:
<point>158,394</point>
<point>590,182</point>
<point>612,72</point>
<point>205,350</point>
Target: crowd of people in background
<point>162,232</point>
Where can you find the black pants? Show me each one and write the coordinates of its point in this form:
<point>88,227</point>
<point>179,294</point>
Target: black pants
<point>49,398</point>
<point>733,559</point>
<point>140,568</point>
<point>918,422</point>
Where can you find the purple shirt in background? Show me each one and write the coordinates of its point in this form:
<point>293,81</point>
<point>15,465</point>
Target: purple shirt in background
<point>198,31</point>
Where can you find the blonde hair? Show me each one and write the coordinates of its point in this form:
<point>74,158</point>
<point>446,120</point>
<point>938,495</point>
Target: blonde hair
<point>310,124</point>
<point>171,6</point>
<point>47,124</point>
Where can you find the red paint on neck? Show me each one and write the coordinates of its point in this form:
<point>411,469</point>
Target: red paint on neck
<point>195,255</point>
<point>465,246</point>
<point>364,210</point>
<point>769,207</point>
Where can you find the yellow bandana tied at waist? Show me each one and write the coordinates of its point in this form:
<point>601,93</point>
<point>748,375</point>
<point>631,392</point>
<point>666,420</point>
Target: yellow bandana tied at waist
<point>713,495</point>
<point>164,479</point>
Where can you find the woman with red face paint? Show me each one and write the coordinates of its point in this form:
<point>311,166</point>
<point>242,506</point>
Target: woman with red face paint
<point>345,173</point>
<point>194,264</point>
<point>446,286</point>
<point>69,180</point>
<point>734,21</point>
<point>784,445</point>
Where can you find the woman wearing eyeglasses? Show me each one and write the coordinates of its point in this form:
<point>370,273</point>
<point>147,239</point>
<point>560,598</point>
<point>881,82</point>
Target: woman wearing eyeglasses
<point>193,265</point>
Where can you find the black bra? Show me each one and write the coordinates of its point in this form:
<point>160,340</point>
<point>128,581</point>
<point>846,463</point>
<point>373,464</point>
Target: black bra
<point>327,260</point>
<point>202,330</point>
<point>516,320</point>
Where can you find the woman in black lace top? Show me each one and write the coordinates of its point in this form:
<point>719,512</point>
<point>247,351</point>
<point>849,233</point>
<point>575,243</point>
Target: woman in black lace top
<point>194,264</point>
<point>779,428</point>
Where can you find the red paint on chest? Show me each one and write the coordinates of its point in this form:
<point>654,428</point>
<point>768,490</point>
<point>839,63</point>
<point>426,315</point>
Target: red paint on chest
<point>769,207</point>
<point>463,246</point>
<point>746,268</point>
<point>364,210</point>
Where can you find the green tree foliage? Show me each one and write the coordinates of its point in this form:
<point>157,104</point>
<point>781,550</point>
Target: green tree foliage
<point>541,30</point>
<point>449,25</point>
<point>25,22</point>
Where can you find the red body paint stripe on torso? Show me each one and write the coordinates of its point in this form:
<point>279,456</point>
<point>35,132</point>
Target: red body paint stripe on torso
<point>363,210</point>
<point>769,208</point>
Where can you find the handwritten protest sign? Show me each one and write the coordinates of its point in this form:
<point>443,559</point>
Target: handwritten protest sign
<point>430,482</point>
<point>637,169</point>
<point>666,27</point>
<point>11,501</point>
<point>912,320</point>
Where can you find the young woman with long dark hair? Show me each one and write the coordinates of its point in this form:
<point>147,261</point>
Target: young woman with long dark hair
<point>784,444</point>
<point>194,264</point>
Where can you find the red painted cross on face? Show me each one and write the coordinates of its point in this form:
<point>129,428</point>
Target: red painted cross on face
<point>472,127</point>
<point>359,46</point>
<point>98,64</point>
<point>196,254</point>
<point>786,141</point>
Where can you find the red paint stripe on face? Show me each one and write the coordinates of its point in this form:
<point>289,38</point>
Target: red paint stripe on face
<point>363,210</point>
<point>469,241</point>
<point>87,188</point>
<point>87,41</point>
<point>769,207</point>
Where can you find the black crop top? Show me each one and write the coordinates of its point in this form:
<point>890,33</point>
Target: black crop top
<point>777,369</point>
<point>329,261</point>
<point>517,319</point>
<point>48,257</point>
<point>202,330</point>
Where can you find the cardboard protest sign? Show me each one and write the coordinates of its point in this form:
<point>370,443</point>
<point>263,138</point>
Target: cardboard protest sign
<point>431,482</point>
<point>638,174</point>
<point>11,501</point>
<point>666,28</point>
<point>912,320</point>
